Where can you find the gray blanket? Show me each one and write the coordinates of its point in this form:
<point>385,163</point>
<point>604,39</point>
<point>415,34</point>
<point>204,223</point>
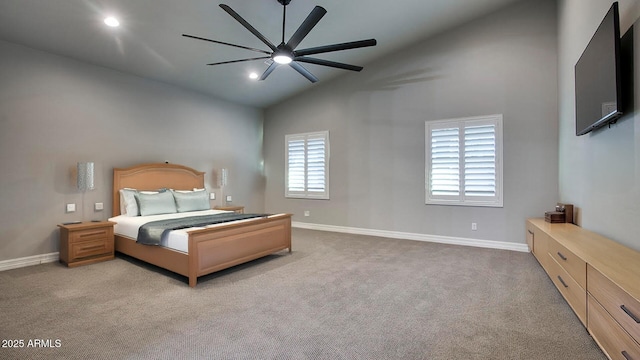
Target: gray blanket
<point>151,232</point>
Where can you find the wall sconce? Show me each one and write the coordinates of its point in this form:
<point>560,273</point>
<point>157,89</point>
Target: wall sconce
<point>85,180</point>
<point>223,178</point>
<point>86,176</point>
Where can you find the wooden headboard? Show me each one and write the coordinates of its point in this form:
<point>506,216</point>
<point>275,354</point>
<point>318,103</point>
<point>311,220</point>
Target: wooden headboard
<point>153,177</point>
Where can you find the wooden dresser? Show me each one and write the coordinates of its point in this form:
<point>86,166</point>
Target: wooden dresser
<point>86,243</point>
<point>599,279</point>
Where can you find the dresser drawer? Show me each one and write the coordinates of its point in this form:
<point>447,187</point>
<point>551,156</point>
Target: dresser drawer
<point>616,343</point>
<point>575,295</point>
<point>622,307</point>
<point>91,235</point>
<point>575,266</point>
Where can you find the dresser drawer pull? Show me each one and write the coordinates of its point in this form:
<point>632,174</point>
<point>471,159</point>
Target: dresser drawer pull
<point>626,355</point>
<point>562,281</point>
<point>631,315</point>
<point>562,256</point>
<point>92,234</point>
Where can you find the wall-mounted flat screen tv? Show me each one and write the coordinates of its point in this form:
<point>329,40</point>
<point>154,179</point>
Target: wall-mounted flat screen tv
<point>598,77</point>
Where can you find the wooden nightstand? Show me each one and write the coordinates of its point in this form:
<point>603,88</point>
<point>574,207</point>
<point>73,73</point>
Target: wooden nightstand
<point>86,243</point>
<point>238,209</point>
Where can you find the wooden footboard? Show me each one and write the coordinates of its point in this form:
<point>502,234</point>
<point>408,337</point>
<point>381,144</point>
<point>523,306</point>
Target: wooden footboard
<point>216,248</point>
<point>233,244</point>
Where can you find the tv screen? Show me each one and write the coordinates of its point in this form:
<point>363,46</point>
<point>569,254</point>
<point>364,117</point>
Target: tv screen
<point>598,78</point>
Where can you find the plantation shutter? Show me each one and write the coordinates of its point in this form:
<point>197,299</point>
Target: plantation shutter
<point>445,161</point>
<point>480,160</point>
<point>296,164</point>
<point>308,165</point>
<point>463,161</point>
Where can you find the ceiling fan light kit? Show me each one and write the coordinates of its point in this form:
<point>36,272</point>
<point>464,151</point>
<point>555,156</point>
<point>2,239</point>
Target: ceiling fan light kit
<point>286,53</point>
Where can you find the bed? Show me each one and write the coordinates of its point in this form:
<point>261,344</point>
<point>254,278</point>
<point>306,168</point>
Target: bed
<point>208,249</point>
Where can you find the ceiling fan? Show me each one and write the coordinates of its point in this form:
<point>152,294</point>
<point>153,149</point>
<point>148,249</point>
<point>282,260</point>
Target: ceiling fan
<point>286,53</point>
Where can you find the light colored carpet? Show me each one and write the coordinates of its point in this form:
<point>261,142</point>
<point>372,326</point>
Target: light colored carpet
<point>337,296</point>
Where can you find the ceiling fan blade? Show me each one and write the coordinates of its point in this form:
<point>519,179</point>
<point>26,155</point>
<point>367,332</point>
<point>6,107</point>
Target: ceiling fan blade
<point>248,26</point>
<point>304,72</point>
<point>269,70</point>
<point>224,43</point>
<point>336,47</point>
<point>314,17</point>
<point>241,60</point>
<point>328,63</point>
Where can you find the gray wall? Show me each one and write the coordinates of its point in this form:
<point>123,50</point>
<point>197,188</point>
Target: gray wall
<point>599,172</point>
<point>55,111</point>
<point>504,63</point>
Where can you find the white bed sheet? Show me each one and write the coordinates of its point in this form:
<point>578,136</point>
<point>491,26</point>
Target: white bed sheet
<point>176,239</point>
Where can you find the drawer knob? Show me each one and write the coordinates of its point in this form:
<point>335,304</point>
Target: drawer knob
<point>562,281</point>
<point>631,315</point>
<point>626,355</point>
<point>562,256</point>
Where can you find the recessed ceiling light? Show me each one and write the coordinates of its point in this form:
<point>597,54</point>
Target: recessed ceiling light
<point>111,21</point>
<point>253,76</point>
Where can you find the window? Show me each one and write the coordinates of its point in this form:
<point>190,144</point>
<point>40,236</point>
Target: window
<point>464,161</point>
<point>307,165</point>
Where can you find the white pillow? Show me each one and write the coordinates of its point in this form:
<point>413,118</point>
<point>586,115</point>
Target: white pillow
<point>128,204</point>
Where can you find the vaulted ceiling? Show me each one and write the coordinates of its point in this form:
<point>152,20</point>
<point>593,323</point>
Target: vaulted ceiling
<point>148,43</point>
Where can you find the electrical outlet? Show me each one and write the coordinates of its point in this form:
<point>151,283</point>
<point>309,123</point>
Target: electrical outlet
<point>71,208</point>
<point>212,196</point>
<point>474,226</point>
<point>307,213</point>
<point>229,198</point>
<point>98,206</point>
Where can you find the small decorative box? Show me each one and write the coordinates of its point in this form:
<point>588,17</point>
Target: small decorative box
<point>554,216</point>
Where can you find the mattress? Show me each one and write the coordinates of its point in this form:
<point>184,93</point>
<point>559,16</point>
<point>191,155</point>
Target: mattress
<point>176,239</point>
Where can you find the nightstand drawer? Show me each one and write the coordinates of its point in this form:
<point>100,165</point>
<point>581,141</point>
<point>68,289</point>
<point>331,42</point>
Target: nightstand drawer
<point>91,235</point>
<point>616,343</point>
<point>575,266</point>
<point>622,307</point>
<point>90,248</point>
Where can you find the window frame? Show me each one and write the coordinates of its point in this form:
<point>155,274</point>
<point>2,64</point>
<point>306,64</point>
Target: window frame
<point>306,193</point>
<point>461,199</point>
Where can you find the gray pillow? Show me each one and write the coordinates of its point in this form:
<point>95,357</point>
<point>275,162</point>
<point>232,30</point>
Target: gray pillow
<point>191,200</point>
<point>155,204</point>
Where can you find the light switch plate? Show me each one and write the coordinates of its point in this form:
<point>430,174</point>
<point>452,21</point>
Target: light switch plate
<point>212,196</point>
<point>71,208</point>
<point>229,198</point>
<point>98,206</point>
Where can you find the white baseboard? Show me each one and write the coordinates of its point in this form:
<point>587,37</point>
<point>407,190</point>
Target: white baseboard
<point>53,257</point>
<point>29,261</point>
<point>418,237</point>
